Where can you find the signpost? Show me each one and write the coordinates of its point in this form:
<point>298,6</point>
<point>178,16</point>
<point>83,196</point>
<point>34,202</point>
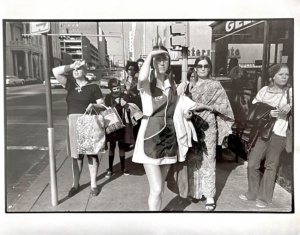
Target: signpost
<point>39,27</point>
<point>42,28</point>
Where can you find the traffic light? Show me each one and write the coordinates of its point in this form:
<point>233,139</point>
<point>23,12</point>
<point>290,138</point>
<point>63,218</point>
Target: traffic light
<point>26,36</point>
<point>179,34</point>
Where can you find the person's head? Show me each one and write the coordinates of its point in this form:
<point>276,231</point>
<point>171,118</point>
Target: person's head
<point>190,75</point>
<point>203,67</point>
<point>79,73</point>
<point>279,73</point>
<point>114,86</point>
<point>232,63</point>
<point>161,63</point>
<point>140,62</point>
<point>132,68</point>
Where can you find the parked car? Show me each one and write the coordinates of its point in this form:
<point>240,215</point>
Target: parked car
<point>91,77</point>
<point>104,81</point>
<point>14,80</point>
<point>54,83</point>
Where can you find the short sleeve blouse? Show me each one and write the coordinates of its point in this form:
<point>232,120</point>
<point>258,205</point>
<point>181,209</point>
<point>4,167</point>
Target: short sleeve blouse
<point>79,99</point>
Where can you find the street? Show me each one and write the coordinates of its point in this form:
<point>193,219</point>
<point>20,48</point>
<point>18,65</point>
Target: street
<point>26,134</point>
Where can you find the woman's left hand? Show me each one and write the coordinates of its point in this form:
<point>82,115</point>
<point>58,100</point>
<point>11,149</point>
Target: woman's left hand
<point>285,109</point>
<point>201,107</point>
<point>89,107</point>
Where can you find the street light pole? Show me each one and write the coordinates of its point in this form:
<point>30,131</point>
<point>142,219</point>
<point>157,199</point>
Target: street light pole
<point>123,39</point>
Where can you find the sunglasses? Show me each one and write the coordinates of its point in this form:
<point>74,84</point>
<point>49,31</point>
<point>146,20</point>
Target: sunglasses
<point>200,66</point>
<point>131,69</point>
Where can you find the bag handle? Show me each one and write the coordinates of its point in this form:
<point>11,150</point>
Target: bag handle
<point>93,108</point>
<point>288,96</point>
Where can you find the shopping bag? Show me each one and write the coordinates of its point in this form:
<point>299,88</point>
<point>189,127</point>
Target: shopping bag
<point>112,120</point>
<point>90,133</point>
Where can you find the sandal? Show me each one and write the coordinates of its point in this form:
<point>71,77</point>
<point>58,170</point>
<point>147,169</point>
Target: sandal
<point>210,206</point>
<point>73,191</point>
<point>95,191</point>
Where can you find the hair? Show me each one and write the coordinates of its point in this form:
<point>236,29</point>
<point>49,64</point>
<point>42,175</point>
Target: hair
<point>189,73</point>
<point>232,63</point>
<point>140,60</point>
<point>134,64</point>
<point>156,48</point>
<point>113,82</point>
<point>204,57</point>
<point>275,69</point>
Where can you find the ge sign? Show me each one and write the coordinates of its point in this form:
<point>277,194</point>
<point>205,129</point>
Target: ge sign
<point>39,27</point>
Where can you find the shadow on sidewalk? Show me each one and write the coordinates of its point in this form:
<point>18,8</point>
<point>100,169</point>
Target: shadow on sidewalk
<point>223,170</point>
<point>177,204</point>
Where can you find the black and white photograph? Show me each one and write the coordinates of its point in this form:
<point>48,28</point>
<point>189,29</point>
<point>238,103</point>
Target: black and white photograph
<point>132,119</point>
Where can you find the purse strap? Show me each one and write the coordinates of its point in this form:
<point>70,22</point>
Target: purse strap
<point>288,96</point>
<point>280,97</point>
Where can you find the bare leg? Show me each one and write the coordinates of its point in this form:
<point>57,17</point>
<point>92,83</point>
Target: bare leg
<point>93,167</point>
<point>76,170</point>
<point>156,180</point>
<point>164,172</point>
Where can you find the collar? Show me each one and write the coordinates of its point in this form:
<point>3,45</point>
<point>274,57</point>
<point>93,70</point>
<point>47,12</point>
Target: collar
<point>163,85</point>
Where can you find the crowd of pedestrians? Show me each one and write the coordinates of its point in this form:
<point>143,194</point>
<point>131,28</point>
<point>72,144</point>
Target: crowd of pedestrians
<point>177,123</point>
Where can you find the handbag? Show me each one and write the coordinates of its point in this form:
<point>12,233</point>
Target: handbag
<point>289,131</point>
<point>259,122</point>
<point>90,134</point>
<point>112,120</point>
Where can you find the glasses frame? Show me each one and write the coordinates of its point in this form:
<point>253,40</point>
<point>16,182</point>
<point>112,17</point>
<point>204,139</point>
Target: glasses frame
<point>200,66</point>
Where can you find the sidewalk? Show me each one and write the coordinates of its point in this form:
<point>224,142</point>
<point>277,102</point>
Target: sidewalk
<point>130,193</point>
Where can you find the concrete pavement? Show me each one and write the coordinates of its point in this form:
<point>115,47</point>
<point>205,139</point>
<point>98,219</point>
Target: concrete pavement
<point>130,193</point>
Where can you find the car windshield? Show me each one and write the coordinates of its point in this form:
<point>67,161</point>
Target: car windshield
<point>90,74</point>
<point>8,77</point>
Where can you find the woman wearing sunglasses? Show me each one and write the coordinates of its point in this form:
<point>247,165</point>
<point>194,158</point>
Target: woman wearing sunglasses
<point>211,128</point>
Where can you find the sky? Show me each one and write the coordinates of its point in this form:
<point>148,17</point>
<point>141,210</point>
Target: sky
<point>114,45</point>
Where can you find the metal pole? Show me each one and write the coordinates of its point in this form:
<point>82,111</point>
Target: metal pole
<point>265,62</point>
<point>184,65</point>
<point>123,41</point>
<point>52,162</point>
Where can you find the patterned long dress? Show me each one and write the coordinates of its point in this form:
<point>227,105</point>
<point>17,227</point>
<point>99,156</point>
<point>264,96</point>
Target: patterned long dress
<point>211,129</point>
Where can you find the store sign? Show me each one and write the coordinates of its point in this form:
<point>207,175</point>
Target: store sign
<point>232,26</point>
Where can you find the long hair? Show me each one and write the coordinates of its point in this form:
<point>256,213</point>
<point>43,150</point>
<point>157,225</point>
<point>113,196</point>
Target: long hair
<point>168,72</point>
<point>204,57</point>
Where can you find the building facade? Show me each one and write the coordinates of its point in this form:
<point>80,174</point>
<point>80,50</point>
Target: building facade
<point>98,45</point>
<point>24,55</point>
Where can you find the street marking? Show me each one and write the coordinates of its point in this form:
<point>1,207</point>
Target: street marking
<point>35,123</point>
<point>26,148</point>
<point>32,107</point>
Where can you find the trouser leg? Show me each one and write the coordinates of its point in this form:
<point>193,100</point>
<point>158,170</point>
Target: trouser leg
<point>274,148</point>
<point>256,155</point>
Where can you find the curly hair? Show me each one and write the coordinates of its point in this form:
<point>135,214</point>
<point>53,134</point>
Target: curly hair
<point>134,64</point>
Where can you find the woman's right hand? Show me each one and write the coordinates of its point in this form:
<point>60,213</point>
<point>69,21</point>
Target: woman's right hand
<point>77,64</point>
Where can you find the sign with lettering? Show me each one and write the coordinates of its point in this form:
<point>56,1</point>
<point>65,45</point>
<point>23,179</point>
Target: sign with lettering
<point>39,27</point>
<point>231,26</point>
